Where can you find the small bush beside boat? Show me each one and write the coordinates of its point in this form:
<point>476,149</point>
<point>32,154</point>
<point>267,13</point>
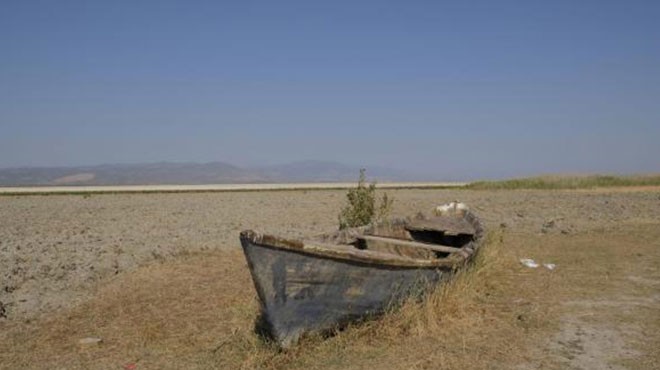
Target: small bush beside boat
<point>362,208</point>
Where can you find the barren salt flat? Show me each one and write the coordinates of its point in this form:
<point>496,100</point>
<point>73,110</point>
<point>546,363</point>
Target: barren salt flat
<point>215,187</point>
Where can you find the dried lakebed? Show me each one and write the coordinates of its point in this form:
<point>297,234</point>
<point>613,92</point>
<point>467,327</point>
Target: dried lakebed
<point>55,249</point>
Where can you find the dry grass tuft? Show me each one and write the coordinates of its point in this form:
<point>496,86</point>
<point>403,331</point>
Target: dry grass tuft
<point>459,324</point>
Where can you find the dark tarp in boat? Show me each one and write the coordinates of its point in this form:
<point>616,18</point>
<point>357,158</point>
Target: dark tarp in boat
<point>323,283</point>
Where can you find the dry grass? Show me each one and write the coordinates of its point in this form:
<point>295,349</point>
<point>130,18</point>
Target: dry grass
<point>158,316</point>
<point>454,326</point>
<point>198,312</point>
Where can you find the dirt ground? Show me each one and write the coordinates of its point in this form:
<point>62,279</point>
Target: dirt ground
<point>160,278</point>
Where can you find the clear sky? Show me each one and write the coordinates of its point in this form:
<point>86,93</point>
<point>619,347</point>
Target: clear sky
<point>464,88</point>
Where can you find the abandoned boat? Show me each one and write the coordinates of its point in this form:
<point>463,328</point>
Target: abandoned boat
<point>323,283</point>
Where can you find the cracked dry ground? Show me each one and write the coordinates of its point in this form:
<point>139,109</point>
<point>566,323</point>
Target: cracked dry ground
<point>160,278</point>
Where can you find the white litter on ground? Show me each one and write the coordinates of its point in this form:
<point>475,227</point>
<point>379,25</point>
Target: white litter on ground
<point>528,262</point>
<point>453,206</point>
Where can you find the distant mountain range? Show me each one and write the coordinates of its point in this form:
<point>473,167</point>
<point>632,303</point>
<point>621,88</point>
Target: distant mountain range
<point>194,173</point>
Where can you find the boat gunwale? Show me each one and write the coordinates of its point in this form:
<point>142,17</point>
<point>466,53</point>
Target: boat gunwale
<point>336,252</point>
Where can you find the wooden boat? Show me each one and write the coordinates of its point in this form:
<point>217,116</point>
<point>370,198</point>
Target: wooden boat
<point>323,283</point>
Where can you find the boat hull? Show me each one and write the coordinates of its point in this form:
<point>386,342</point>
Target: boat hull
<point>301,293</point>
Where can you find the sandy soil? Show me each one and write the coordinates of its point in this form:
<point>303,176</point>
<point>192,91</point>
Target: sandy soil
<point>56,251</point>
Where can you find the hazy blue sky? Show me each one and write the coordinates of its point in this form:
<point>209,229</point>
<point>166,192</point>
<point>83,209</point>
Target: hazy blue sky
<point>465,88</point>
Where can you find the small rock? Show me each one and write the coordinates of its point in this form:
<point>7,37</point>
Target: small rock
<point>3,310</point>
<point>90,341</point>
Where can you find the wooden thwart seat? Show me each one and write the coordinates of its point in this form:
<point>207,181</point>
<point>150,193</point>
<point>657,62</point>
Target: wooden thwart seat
<point>408,243</point>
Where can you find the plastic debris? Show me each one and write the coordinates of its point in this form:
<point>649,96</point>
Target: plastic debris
<point>549,266</point>
<point>528,262</point>
<point>130,366</point>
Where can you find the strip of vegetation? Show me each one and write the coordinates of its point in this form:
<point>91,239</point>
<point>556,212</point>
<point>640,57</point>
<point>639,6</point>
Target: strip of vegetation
<point>567,182</point>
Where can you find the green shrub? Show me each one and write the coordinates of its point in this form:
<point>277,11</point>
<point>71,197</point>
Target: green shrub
<point>361,208</point>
